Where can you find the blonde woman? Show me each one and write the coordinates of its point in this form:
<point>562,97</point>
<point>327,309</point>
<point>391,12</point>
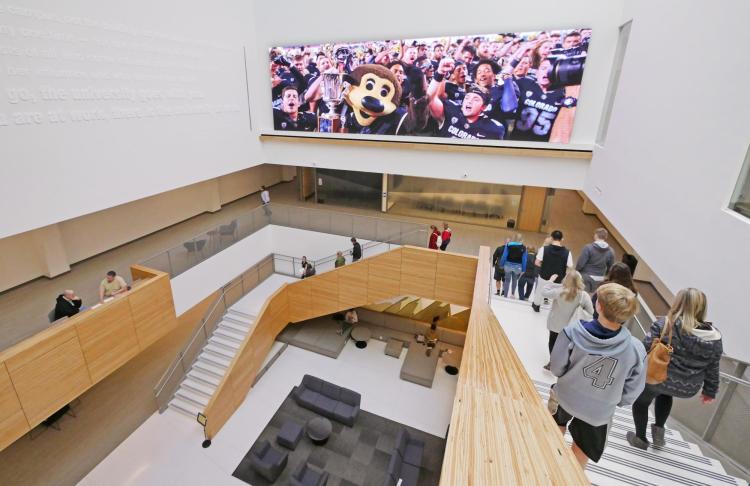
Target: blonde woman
<point>694,365</point>
<point>567,298</point>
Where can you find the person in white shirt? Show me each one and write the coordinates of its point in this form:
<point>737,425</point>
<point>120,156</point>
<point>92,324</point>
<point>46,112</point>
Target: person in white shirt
<point>265,199</point>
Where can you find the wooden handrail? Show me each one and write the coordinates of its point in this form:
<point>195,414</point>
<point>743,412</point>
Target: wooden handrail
<point>500,431</point>
<point>44,372</point>
<point>443,276</point>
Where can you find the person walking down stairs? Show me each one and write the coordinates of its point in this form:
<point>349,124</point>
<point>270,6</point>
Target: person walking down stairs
<point>694,364</point>
<point>552,259</point>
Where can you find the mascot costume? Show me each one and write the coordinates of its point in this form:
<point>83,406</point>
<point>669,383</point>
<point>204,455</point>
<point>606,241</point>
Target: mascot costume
<point>373,99</point>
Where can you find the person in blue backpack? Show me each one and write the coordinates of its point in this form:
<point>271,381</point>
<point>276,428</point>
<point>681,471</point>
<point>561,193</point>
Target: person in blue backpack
<point>513,262</point>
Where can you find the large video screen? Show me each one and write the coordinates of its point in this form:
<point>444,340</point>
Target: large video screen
<point>513,86</point>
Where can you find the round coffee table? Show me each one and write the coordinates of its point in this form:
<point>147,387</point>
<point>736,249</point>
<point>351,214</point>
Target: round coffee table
<point>361,334</point>
<point>319,430</point>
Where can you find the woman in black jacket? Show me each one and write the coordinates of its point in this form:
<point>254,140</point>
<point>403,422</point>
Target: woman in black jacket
<point>694,364</point>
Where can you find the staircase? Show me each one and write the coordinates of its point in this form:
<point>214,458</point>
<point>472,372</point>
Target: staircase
<point>209,367</point>
<point>678,463</point>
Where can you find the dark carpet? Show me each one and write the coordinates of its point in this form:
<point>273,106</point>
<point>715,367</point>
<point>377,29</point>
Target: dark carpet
<point>356,455</point>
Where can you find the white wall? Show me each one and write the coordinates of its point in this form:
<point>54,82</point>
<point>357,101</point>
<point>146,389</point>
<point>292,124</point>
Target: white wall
<point>678,134</point>
<point>328,21</point>
<point>191,52</point>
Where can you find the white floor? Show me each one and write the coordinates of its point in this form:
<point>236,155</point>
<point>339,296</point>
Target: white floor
<point>166,449</point>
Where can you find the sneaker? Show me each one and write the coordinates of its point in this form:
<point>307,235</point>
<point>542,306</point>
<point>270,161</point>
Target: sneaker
<point>657,435</point>
<point>636,441</point>
<point>535,307</point>
<point>546,367</point>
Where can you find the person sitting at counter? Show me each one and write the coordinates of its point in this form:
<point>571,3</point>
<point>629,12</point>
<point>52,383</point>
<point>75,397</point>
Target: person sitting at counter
<point>68,304</point>
<point>111,286</point>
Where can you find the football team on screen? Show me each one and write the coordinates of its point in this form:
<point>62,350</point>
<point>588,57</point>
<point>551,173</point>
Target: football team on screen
<point>493,87</point>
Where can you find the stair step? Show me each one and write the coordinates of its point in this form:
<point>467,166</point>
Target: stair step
<point>210,369</point>
<point>219,351</point>
<point>229,333</point>
<point>190,396</point>
<point>184,407</point>
<point>199,387</point>
<point>243,315</point>
<point>215,360</point>
<point>234,326</point>
<point>202,376</point>
<point>237,320</point>
<point>230,344</point>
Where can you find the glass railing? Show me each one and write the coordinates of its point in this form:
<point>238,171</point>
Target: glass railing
<point>199,248</point>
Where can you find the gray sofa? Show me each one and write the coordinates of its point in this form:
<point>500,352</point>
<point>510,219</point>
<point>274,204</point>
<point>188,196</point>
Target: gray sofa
<point>329,400</point>
<point>406,459</point>
<point>267,461</point>
<point>307,475</point>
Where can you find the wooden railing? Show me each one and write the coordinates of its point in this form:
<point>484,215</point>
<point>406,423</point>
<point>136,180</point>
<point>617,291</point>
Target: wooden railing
<point>408,270</point>
<point>43,373</point>
<point>500,431</point>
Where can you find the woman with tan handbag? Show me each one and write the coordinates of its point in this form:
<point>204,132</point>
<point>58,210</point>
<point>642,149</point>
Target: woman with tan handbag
<point>689,349</point>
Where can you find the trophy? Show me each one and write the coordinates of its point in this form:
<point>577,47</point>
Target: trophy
<point>332,96</point>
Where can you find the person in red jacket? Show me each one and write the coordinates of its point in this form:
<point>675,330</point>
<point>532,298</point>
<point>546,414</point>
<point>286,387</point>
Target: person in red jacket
<point>434,235</point>
<point>446,236</point>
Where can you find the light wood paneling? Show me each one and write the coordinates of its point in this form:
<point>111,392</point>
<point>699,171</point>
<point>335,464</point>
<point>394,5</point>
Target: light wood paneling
<point>418,269</point>
<point>301,295</point>
<point>53,367</point>
<point>325,293</point>
<point>153,310</point>
<point>107,338</point>
<point>353,284</point>
<point>532,208</point>
<point>47,381</point>
<point>384,276</point>
<point>500,431</point>
<point>455,278</point>
<point>13,422</point>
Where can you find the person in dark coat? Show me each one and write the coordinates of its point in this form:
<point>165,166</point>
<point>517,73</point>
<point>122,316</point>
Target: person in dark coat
<point>68,304</point>
<point>356,250</point>
<point>697,349</point>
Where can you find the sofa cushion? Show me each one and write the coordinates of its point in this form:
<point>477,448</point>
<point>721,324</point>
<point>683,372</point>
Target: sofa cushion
<point>394,466</point>
<point>394,347</point>
<point>331,391</point>
<point>313,383</point>
<point>413,454</point>
<point>409,475</point>
<point>260,448</point>
<point>345,411</point>
<point>450,336</point>
<point>307,396</point>
<point>350,397</point>
<point>325,404</point>
<point>401,439</point>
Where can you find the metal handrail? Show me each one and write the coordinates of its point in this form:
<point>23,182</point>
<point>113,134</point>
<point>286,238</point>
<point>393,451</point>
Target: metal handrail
<point>208,315</point>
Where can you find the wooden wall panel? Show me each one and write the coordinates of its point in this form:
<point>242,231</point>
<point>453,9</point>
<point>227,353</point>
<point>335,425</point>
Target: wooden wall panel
<point>107,337</point>
<point>384,276</point>
<point>153,310</point>
<point>300,294</point>
<point>353,284</point>
<point>455,278</point>
<point>531,212</point>
<point>325,293</point>
<point>418,268</point>
<point>13,422</point>
<point>48,381</point>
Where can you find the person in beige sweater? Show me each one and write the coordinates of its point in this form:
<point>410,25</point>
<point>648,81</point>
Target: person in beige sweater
<point>567,297</point>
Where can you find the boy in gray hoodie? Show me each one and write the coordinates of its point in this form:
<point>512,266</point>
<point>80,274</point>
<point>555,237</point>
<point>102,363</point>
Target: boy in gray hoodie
<point>599,366</point>
<point>595,260</point>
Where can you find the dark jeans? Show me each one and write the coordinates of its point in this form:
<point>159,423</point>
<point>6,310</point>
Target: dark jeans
<point>444,244</point>
<point>552,340</point>
<point>525,287</point>
<point>662,407</point>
